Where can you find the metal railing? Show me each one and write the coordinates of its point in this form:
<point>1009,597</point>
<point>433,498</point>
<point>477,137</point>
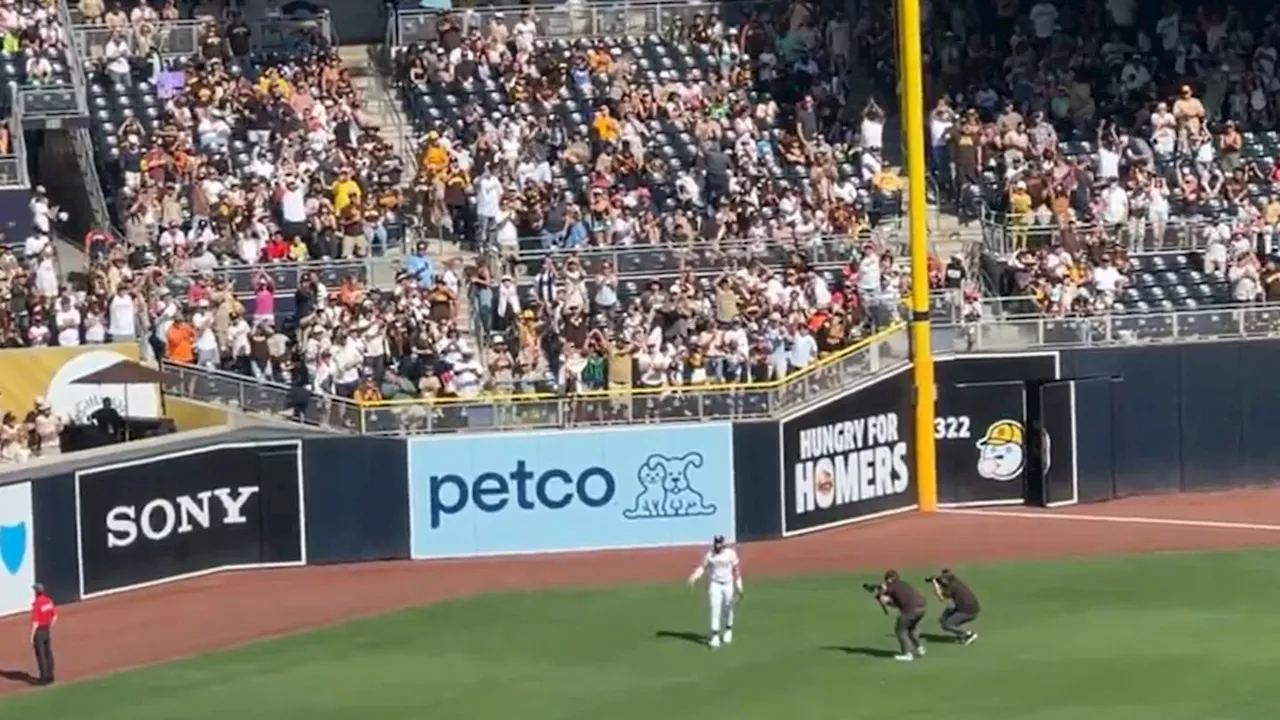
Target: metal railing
<point>243,278</point>
<point>646,260</point>
<point>883,351</point>
<point>82,145</point>
<point>512,411</point>
<point>181,38</point>
<point>13,167</point>
<point>1004,234</point>
<point>54,103</point>
<point>262,398</point>
<point>570,21</point>
<point>947,307</point>
<point>1120,329</point>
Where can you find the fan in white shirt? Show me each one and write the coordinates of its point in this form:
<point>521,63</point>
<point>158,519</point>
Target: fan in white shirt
<point>67,319</point>
<point>207,354</point>
<point>38,335</point>
<point>653,366</point>
<point>238,336</point>
<point>1106,278</point>
<point>468,375</point>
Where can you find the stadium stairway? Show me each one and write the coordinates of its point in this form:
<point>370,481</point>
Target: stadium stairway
<point>382,109</point>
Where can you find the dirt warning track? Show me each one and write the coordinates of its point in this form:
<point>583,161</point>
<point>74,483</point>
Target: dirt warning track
<point>123,631</point>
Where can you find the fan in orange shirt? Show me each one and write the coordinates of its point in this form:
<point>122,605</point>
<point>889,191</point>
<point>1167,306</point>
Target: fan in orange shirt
<point>181,342</point>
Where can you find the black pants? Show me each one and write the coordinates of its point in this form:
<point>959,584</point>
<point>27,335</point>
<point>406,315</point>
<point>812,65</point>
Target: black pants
<point>952,619</point>
<point>43,646</point>
<point>905,628</point>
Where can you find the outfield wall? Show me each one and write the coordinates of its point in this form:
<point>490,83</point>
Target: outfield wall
<point>1045,428</point>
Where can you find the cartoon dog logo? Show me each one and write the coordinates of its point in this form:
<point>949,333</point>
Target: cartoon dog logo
<point>666,490</point>
<point>1002,451</point>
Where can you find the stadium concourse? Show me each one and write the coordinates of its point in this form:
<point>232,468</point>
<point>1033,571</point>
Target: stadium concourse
<point>656,196</point>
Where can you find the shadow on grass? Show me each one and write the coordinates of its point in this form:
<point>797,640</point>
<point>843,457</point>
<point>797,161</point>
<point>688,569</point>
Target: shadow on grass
<point>19,676</point>
<point>936,638</point>
<point>689,637</point>
<point>860,650</point>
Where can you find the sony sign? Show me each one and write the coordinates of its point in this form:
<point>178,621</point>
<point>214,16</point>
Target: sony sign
<point>162,517</point>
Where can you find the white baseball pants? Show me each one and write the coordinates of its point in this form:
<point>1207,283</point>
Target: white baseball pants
<point>720,597</point>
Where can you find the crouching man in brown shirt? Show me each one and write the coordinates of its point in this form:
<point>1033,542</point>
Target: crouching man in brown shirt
<point>910,604</point>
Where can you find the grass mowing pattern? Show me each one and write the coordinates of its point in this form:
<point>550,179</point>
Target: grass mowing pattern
<point>1171,636</point>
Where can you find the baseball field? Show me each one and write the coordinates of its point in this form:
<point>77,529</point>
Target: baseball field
<point>1160,607</point>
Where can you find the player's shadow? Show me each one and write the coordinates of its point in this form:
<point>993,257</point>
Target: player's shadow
<point>861,650</point>
<point>689,637</point>
<point>20,676</point>
<point>936,638</point>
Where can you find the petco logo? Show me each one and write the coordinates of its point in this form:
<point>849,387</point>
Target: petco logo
<point>665,490</point>
<point>162,517</point>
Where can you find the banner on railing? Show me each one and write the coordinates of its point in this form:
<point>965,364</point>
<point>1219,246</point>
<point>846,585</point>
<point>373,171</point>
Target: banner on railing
<point>57,376</point>
<point>570,491</point>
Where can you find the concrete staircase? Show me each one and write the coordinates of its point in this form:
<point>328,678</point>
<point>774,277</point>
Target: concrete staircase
<point>382,107</point>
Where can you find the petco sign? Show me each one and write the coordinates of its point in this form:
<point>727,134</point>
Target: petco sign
<point>570,491</point>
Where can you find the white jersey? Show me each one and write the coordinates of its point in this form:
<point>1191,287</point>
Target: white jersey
<point>721,567</point>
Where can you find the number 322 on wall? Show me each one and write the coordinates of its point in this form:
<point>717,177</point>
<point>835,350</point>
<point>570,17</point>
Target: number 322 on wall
<point>951,427</point>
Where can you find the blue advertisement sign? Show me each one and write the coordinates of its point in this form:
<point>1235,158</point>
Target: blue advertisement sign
<point>570,490</point>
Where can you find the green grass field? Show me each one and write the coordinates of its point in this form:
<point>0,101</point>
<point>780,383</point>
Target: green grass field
<point>1163,636</point>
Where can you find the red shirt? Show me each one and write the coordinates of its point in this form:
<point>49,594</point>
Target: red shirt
<point>43,611</point>
<point>276,249</point>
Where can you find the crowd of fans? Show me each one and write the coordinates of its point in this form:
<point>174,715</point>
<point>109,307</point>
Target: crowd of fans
<point>760,147</point>
<point>772,110</point>
<point>1110,128</point>
<point>1105,131</point>
<point>32,33</point>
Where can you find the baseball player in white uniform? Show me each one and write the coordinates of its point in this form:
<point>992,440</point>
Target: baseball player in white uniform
<point>724,588</point>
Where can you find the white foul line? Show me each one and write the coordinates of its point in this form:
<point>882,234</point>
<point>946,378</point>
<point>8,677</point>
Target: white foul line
<point>1222,525</point>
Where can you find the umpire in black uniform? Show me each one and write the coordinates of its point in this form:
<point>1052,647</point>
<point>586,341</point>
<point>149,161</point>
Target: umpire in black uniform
<point>962,605</point>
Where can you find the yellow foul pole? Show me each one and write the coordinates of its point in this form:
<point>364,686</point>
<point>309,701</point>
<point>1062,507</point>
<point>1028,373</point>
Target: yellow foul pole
<point>911,78</point>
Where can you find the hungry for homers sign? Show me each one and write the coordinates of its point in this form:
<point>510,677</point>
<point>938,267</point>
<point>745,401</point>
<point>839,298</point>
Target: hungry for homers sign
<point>849,459</point>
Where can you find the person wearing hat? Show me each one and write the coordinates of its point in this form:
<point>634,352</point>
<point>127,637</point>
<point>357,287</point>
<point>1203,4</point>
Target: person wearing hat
<point>48,429</point>
<point>720,566</point>
<point>44,614</point>
<point>897,593</point>
<point>1019,212</point>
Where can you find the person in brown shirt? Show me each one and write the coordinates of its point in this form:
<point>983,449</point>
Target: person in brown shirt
<point>897,593</point>
<point>1189,111</point>
<point>619,361</point>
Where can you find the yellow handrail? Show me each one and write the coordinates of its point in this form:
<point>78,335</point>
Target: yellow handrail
<point>517,398</point>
